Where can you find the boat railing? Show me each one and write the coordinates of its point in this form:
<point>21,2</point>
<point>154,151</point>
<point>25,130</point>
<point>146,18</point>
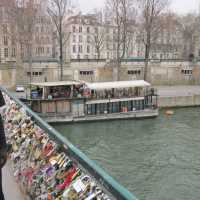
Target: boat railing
<point>103,97</point>
<point>151,92</point>
<point>117,191</point>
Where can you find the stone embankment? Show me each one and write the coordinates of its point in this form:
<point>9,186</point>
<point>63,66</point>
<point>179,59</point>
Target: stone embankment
<point>178,96</point>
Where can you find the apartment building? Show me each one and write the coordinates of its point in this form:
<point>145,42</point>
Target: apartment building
<point>8,45</point>
<point>12,47</point>
<point>43,39</point>
<point>90,38</point>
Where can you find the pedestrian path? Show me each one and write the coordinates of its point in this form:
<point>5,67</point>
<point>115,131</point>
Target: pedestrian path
<point>10,187</point>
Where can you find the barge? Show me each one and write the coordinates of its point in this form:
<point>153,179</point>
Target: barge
<point>77,101</point>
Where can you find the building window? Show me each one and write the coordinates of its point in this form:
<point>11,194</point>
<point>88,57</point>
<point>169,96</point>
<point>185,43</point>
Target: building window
<point>80,49</point>
<point>88,49</point>
<point>13,54</point>
<point>74,48</point>
<point>186,72</point>
<point>37,40</point>
<point>6,52</point>
<point>134,72</point>
<point>80,29</point>
<point>47,40</point>
<point>5,28</point>
<point>34,73</point>
<point>96,30</point>
<point>80,38</point>
<point>107,30</point>
<point>74,29</point>
<point>48,50</point>
<point>107,46</point>
<point>86,73</point>
<point>108,55</point>
<point>13,41</point>
<point>114,46</point>
<point>5,40</point>
<point>74,38</point>
<point>37,29</point>
<point>88,39</point>
<point>88,29</point>
<point>108,38</point>
<point>39,50</point>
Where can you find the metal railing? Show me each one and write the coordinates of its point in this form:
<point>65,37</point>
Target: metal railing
<point>118,191</point>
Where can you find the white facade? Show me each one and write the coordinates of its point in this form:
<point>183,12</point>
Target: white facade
<point>87,35</point>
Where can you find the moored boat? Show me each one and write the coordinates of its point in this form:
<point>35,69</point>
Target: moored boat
<point>73,101</point>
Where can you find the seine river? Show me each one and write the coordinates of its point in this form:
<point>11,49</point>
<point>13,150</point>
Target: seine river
<point>156,159</point>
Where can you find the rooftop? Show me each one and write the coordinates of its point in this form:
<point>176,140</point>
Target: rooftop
<point>117,84</point>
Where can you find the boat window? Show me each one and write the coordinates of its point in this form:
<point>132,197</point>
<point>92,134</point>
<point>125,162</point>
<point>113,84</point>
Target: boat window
<point>129,105</point>
<point>115,107</point>
<point>102,108</point>
<point>89,109</point>
<point>93,109</point>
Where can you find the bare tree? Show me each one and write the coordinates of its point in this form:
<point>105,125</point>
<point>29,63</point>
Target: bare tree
<point>58,10</point>
<point>121,12</point>
<point>97,39</point>
<point>189,26</point>
<point>150,10</point>
<point>167,39</point>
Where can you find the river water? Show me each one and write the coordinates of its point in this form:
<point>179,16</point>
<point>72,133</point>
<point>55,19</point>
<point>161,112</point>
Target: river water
<point>156,159</point>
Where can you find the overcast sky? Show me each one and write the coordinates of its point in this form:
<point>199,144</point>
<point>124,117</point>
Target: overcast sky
<point>180,6</point>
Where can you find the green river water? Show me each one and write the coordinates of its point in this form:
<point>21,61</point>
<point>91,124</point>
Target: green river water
<point>156,159</point>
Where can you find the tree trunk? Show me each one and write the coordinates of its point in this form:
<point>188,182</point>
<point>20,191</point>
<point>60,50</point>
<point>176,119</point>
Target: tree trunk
<point>118,69</point>
<point>98,54</point>
<point>147,52</point>
<point>30,61</point>
<point>61,52</point>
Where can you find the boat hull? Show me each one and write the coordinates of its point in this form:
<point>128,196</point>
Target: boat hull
<point>148,113</point>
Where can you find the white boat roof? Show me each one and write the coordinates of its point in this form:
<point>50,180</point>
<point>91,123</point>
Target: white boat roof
<point>59,83</point>
<point>117,84</point>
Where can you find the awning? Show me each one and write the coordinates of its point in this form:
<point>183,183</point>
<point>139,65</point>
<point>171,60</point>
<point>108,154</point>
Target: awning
<point>59,83</point>
<point>117,84</point>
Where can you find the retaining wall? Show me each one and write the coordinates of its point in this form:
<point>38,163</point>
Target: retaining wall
<point>179,101</point>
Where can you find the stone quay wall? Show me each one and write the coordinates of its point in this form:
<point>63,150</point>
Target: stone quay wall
<point>160,73</point>
<point>179,101</point>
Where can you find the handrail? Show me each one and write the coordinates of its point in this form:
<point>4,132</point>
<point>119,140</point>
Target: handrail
<point>106,180</point>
